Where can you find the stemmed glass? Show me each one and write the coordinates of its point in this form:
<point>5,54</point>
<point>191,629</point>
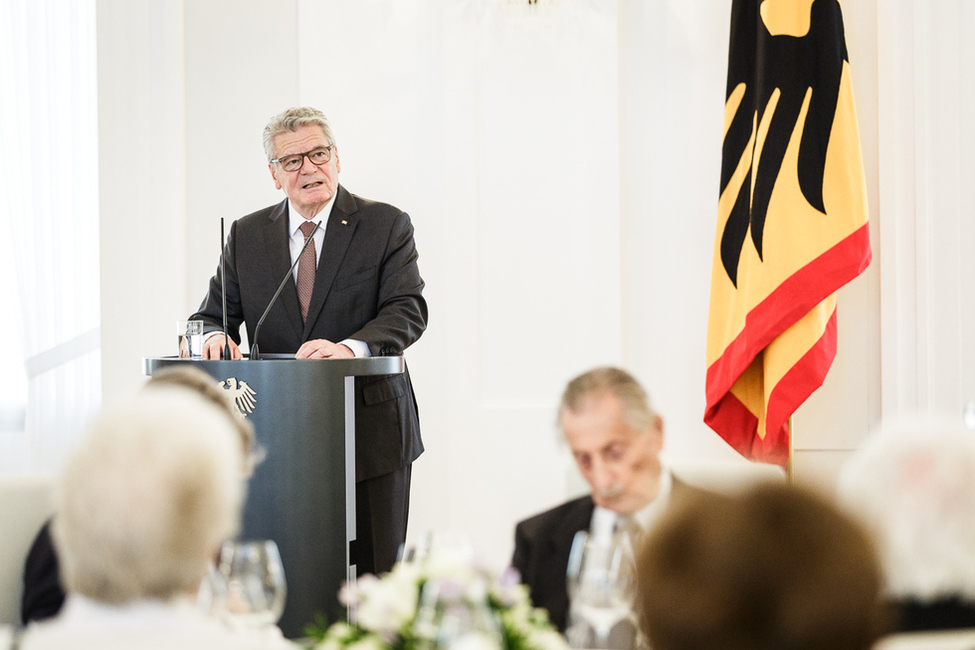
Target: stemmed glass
<point>255,589</point>
<point>455,616</point>
<point>453,611</point>
<point>442,547</point>
<point>602,587</point>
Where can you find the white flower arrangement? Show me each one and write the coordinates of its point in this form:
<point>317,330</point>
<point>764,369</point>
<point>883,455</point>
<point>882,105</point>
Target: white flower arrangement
<point>445,602</point>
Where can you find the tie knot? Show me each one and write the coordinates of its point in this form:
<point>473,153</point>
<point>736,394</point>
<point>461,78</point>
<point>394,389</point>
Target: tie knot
<point>629,525</point>
<point>306,228</point>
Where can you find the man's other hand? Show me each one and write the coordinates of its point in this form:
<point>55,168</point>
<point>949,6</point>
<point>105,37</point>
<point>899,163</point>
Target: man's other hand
<point>323,349</point>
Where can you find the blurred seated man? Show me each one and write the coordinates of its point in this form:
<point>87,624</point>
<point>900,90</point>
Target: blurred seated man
<point>43,594</point>
<point>142,506</point>
<point>773,568</point>
<point>913,485</point>
<point>615,437</point>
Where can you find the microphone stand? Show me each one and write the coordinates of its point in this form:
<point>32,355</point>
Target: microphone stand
<point>223,292</point>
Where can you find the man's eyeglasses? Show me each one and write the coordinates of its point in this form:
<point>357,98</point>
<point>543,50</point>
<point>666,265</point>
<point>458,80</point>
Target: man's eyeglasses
<point>293,163</point>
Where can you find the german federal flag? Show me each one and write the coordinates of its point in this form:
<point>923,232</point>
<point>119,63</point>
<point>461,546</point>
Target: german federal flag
<point>792,219</point>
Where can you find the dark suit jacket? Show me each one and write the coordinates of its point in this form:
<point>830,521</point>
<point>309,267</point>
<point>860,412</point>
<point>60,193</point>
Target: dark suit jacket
<point>43,595</point>
<point>367,287</point>
<point>542,545</point>
<point>943,613</point>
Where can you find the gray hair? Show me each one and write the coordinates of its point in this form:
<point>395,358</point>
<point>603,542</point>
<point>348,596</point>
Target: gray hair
<point>637,410</point>
<point>147,498</point>
<point>291,120</point>
<point>913,485</point>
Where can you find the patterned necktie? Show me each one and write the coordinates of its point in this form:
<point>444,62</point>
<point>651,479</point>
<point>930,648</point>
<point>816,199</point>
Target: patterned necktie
<point>306,271</point>
<point>629,525</point>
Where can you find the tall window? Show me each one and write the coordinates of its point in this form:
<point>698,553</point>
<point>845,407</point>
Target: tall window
<point>50,375</point>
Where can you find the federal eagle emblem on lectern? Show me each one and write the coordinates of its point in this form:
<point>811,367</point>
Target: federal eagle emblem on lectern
<point>243,396</point>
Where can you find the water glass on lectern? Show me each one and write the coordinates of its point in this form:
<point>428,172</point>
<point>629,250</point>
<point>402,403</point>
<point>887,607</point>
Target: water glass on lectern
<point>189,335</point>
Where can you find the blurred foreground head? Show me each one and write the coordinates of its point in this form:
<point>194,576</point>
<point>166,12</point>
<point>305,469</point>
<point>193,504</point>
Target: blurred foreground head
<point>147,498</point>
<point>776,567</point>
<point>913,484</point>
<point>189,376</point>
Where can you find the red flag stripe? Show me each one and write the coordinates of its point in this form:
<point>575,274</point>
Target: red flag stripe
<point>784,306</point>
<point>738,426</point>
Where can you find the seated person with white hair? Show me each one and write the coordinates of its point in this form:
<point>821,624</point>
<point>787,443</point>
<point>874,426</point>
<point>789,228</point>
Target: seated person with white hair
<point>142,506</point>
<point>913,485</point>
<point>43,594</point>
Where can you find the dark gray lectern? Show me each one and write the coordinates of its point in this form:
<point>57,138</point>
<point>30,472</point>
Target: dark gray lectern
<point>303,494</point>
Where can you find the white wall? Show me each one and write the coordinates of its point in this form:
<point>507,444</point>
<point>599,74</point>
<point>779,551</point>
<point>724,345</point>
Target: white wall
<point>926,165</point>
<point>142,176</point>
<point>673,60</point>
<point>561,167</point>
<point>241,63</point>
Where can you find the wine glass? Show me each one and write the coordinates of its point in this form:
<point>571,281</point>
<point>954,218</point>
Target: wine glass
<point>414,552</point>
<point>455,615</point>
<point>602,587</point>
<point>440,548</point>
<point>255,586</point>
<point>211,597</point>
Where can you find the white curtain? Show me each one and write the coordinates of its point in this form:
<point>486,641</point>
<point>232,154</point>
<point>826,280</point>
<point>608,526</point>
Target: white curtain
<point>49,226</point>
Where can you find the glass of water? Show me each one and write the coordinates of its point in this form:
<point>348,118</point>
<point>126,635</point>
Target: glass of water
<point>189,335</point>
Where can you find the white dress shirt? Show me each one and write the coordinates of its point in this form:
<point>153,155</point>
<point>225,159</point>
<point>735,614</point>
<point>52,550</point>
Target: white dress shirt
<point>646,516</point>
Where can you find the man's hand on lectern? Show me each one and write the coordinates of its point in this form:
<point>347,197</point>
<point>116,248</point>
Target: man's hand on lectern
<point>213,348</point>
<point>323,349</point>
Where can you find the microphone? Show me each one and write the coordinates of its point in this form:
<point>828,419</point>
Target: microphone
<point>255,351</point>
<point>223,292</point>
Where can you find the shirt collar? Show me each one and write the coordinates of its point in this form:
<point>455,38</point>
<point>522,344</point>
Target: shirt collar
<point>648,514</point>
<point>295,220</point>
<point>80,608</point>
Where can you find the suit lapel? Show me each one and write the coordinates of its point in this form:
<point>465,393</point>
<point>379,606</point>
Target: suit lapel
<point>577,519</point>
<point>338,234</point>
<point>277,244</point>
<point>556,558</point>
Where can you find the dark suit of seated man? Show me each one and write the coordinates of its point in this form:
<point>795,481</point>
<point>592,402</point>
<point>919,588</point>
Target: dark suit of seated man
<point>615,438</point>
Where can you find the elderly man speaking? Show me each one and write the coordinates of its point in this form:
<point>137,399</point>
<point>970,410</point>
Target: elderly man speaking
<point>356,291</point>
<point>615,438</point>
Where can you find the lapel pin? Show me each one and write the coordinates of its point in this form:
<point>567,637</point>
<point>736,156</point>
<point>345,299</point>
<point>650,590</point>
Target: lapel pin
<point>344,222</point>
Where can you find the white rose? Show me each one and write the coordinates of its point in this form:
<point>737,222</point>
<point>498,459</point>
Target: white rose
<point>329,643</point>
<point>340,631</point>
<point>475,641</point>
<point>546,640</point>
<point>351,593</point>
<point>390,605</point>
<point>369,642</point>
